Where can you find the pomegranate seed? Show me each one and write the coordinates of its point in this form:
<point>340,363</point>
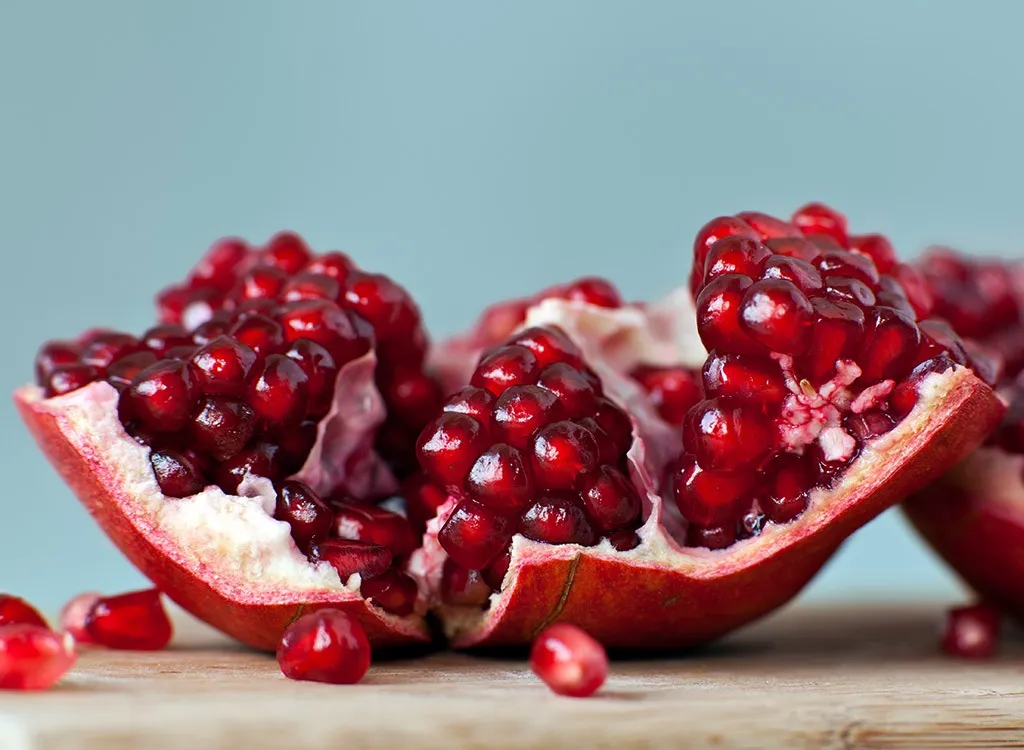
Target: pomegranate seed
<point>474,536</point>
<point>494,574</point>
<point>711,537</point>
<point>594,291</point>
<point>562,452</point>
<point>449,446</point>
<point>348,557</point>
<point>16,611</point>
<point>176,473</point>
<point>798,248</point>
<point>972,632</point>
<point>324,646</point>
<point>836,334</point>
<point>218,267</point>
<point>171,302</point>
<point>327,324</point>
<point>222,367</point>
<point>218,325</point>
<point>854,265</point>
<point>295,445</point>
<point>108,347</point>
<point>279,391</point>
<point>262,460</point>
<point>768,227</point>
<point>221,426</point>
<point>462,587</point>
<point>383,303</point>
<point>727,435</point>
<point>569,661</point>
<point>67,379</point>
<point>163,396</point>
<point>522,410</point>
<point>557,519</point>
<point>334,264</point>
<point>718,315</point>
<point>302,509</point>
<point>745,378</point>
<point>817,218</point>
<point>32,657</point>
<point>261,282</point>
<point>610,499</point>
<point>476,402</point>
<point>259,333</point>
<point>708,498</point>
<point>940,338</point>
<point>392,591</point>
<point>377,526</point>
<point>500,479</point>
<point>624,540</point>
<point>166,336</point>
<point>778,315</point>
<point>916,287</point>
<point>672,390</point>
<point>422,499</point>
<point>876,247</point>
<point>134,621</point>
<point>121,373</point>
<point>889,345</point>
<point>573,390</point>
<point>788,497</point>
<point>798,272</point>
<point>53,355</point>
<point>506,367</point>
<point>321,373</point>
<point>735,254</point>
<point>74,614</point>
<point>548,345</point>
<point>615,424</point>
<point>845,289</point>
<point>412,396</point>
<point>310,286</point>
<point>709,234</point>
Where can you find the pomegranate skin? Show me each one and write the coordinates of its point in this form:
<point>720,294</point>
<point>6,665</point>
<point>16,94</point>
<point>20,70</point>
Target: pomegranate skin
<point>246,610</point>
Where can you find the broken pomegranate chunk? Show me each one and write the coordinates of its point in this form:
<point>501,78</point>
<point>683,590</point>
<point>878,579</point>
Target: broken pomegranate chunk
<point>325,646</point>
<point>135,621</point>
<point>569,661</point>
<point>33,657</point>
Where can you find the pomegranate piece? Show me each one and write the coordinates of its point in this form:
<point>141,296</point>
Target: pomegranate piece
<point>972,632</point>
<point>32,657</point>
<point>324,646</point>
<point>135,621</point>
<point>569,661</point>
<point>16,611</point>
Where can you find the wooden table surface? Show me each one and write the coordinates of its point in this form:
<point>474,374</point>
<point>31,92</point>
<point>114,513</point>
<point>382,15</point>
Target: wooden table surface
<point>842,677</point>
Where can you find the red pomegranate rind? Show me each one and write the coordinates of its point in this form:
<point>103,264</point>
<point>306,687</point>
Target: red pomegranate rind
<point>238,596</point>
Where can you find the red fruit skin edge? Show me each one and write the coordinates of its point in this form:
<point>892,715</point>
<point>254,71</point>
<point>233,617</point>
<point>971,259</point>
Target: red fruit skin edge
<point>645,606</point>
<point>255,623</point>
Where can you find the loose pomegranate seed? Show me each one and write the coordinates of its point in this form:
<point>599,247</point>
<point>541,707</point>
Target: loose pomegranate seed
<point>32,657</point>
<point>462,587</point>
<point>377,526</point>
<point>163,396</point>
<point>324,646</point>
<point>16,611</point>
<point>302,509</point>
<point>348,557</point>
<point>972,632</point>
<point>672,390</point>
<point>176,473</point>
<point>135,621</point>
<point>474,535</point>
<point>392,591</point>
<point>70,378</point>
<point>75,613</point>
<point>569,661</point>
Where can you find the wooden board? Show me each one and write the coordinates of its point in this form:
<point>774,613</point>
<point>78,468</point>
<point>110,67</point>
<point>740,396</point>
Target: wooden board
<point>846,677</point>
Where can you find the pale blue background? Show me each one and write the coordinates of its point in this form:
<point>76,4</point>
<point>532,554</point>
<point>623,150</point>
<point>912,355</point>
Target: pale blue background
<point>474,150</point>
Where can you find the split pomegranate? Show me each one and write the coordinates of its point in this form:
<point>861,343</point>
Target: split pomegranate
<point>569,661</point>
<point>16,611</point>
<point>325,646</point>
<point>134,621</point>
<point>972,632</point>
<point>33,657</point>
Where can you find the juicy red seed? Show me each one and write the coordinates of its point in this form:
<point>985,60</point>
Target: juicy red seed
<point>794,270</point>
<point>708,498</point>
<point>557,518</point>
<point>412,396</point>
<point>890,343</point>
<point>134,621</point>
<point>261,334</point>
<point>745,378</point>
<point>222,367</point>
<point>790,485</point>
<point>798,248</point>
<point>500,479</point>
<point>767,226</point>
<point>836,333</point>
<point>624,540</point>
<point>727,435</point>
<point>561,453</point>
<point>16,611</point>
<point>778,315</point>
<point>569,661</point>
<point>549,345</point>
<point>494,574</point>
<point>279,391</point>
<point>594,291</point>
<point>876,247</point>
<point>712,232</point>
<point>214,328</point>
<point>324,646</point>
<point>672,390</point>
<point>350,556</point>
<point>33,657</point>
<point>916,287</point>
<point>473,401</point>
<point>845,289</point>
<point>222,426</point>
<point>615,424</point>
<point>462,587</point>
<point>505,367</point>
<point>475,536</point>
<point>67,379</point>
<point>310,286</point>
<point>522,410</point>
<point>940,338</point>
<point>171,302</point>
<point>972,632</point>
<point>261,282</point>
<point>218,267</point>
<point>711,537</point>
<point>392,591</point>
<point>736,254</point>
<point>286,251</point>
<point>53,355</point>
<point>869,424</point>
<point>383,303</point>
<point>163,396</point>
<point>321,373</point>
<point>295,444</point>
<point>260,461</point>
<point>302,509</point>
<point>334,264</point>
<point>573,390</point>
<point>121,373</point>
<point>325,323</point>
<point>109,347</point>
<point>377,526</point>
<point>448,447</point>
<point>260,306</point>
<point>718,315</point>
<point>166,336</point>
<point>74,614</point>
<point>176,473</point>
<point>854,265</point>
<point>817,218</point>
<point>610,499</point>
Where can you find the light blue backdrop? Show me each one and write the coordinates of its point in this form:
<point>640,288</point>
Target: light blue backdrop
<point>475,151</point>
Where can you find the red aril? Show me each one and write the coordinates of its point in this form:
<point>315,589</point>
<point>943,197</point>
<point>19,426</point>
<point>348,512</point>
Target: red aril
<point>325,646</point>
<point>569,661</point>
<point>972,632</point>
<point>134,621</point>
<point>16,611</point>
<point>33,657</point>
<point>75,614</point>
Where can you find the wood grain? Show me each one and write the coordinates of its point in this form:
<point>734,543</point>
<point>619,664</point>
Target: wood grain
<point>845,677</point>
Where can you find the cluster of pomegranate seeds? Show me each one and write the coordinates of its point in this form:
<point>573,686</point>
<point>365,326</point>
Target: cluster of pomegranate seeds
<point>815,348</point>
<point>569,661</point>
<point>531,446</point>
<point>972,632</point>
<point>324,646</point>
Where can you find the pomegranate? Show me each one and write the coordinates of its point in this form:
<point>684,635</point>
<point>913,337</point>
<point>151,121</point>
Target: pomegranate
<point>569,661</point>
<point>324,646</point>
<point>33,657</point>
<point>972,632</point>
<point>795,440</point>
<point>279,390</point>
